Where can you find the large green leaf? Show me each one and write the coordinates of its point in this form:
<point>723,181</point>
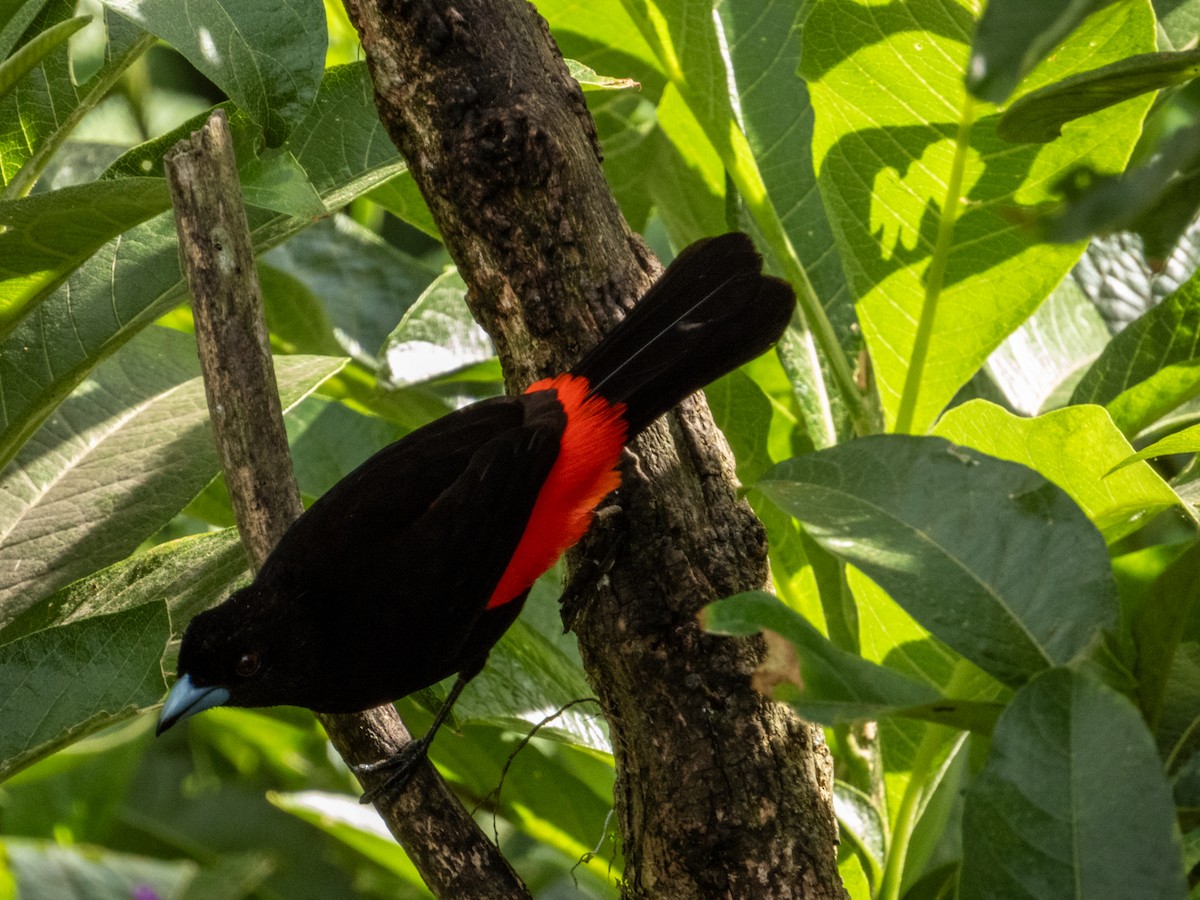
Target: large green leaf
<point>134,279</point>
<point>989,556</point>
<point>189,573</point>
<point>267,56</point>
<point>47,236</point>
<point>1152,366</point>
<point>920,199</point>
<point>35,50</point>
<point>104,615</point>
<point>1076,448</point>
<point>123,454</point>
<point>1072,802</point>
<point>61,684</point>
<point>37,117</point>
<point>527,679</point>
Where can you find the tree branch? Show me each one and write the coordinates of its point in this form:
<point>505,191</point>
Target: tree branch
<point>719,792</point>
<point>452,854</point>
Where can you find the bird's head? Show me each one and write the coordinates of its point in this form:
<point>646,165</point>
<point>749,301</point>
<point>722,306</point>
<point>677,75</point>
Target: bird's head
<point>235,654</point>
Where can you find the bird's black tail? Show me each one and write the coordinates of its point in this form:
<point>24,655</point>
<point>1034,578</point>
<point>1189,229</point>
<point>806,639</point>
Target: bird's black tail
<point>711,311</point>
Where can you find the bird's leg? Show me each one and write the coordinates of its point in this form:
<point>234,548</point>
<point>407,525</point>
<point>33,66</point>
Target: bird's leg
<point>402,765</point>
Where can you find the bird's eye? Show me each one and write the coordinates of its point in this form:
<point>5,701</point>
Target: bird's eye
<point>247,665</point>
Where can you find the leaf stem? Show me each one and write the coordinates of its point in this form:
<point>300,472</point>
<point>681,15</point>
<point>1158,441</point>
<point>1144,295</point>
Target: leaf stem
<point>936,274</point>
<point>922,782</point>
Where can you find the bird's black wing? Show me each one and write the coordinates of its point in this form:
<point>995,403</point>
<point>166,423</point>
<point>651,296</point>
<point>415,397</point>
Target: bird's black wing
<point>396,562</point>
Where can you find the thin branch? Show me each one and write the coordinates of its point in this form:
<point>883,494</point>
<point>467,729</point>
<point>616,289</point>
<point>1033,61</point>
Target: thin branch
<point>451,852</point>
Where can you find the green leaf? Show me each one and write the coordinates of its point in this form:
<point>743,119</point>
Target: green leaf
<point>828,685</point>
<point>989,556</point>
<point>1014,36</point>
<point>365,284</point>
<point>1185,441</point>
<point>130,282</point>
<point>1157,200</point>
<point>58,685</point>
<point>1040,115</point>
<point>1159,624</point>
<point>1076,448</point>
<point>526,679</point>
<point>190,574</point>
<point>125,453</point>
<point>329,440</point>
<point>39,115</point>
<point>279,183</point>
<point>1071,803</point>
<point>1152,366</point>
<point>15,16</point>
<point>436,336</point>
<point>919,197</point>
<point>18,65</point>
<point>47,236</point>
<point>267,56</point>
<point>710,59</point>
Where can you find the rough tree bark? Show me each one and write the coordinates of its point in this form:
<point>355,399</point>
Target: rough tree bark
<point>719,793</point>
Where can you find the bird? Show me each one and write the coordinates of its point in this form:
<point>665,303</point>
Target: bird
<point>409,569</point>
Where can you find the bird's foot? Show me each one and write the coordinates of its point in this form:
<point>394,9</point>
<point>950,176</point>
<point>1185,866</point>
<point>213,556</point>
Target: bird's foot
<point>400,767</point>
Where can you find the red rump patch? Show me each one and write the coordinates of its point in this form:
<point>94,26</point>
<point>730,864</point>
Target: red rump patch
<point>584,473</point>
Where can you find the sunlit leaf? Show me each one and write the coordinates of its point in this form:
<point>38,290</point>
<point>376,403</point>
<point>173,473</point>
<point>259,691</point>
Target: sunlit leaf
<point>989,556</point>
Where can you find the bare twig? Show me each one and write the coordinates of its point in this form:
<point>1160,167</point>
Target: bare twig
<point>452,854</point>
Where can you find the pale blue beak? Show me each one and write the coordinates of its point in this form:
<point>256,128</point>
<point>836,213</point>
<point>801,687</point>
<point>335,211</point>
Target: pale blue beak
<point>185,699</point>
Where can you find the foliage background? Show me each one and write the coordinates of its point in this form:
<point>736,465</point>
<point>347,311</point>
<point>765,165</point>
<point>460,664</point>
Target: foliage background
<point>986,571</point>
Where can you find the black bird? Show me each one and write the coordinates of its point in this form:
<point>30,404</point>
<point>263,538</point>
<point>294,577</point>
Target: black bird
<point>410,568</point>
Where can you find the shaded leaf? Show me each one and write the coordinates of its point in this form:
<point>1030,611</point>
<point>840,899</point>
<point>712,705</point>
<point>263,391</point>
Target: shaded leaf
<point>57,686</point>
<point>989,556</point>
<point>861,822</point>
<point>1014,36</point>
<point>528,678</point>
<point>125,453</point>
<point>15,67</point>
<point>46,236</point>
<point>356,825</point>
<point>829,685</point>
<point>1157,200</point>
<point>39,115</point>
<point>1072,802</point>
<point>1159,625</point>
<point>45,869</point>
<point>1039,115</point>
<point>267,56</point>
<point>190,574</point>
